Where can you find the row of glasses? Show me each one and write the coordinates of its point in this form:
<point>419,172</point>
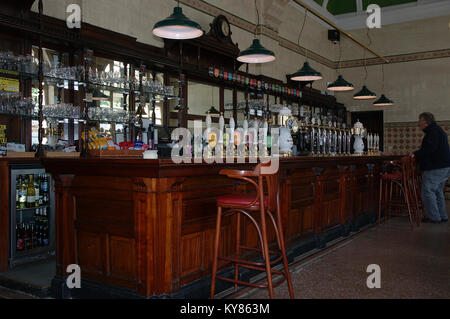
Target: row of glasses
<point>155,87</point>
<point>114,79</point>
<point>15,103</point>
<point>74,73</point>
<point>62,111</point>
<point>21,63</point>
<point>104,114</point>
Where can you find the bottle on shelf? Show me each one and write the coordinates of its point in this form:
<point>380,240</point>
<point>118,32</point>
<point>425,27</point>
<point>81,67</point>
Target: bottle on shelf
<point>19,236</point>
<point>23,193</point>
<point>18,191</point>
<point>30,192</point>
<point>39,234</point>
<point>46,198</point>
<point>26,239</point>
<point>45,233</point>
<point>36,191</point>
<point>33,236</point>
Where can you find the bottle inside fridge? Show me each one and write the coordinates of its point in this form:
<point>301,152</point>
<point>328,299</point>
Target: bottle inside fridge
<point>31,216</point>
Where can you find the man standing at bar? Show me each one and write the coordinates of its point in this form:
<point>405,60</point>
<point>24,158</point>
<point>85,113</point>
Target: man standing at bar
<point>434,161</point>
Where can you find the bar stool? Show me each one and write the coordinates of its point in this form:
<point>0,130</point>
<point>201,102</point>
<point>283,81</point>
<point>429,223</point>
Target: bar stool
<point>402,196</point>
<point>244,205</point>
<point>416,179</point>
<point>386,187</point>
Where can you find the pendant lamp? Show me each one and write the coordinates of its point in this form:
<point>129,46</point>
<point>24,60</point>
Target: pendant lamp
<point>365,93</point>
<point>177,26</point>
<point>256,53</point>
<point>306,73</point>
<point>213,110</point>
<point>340,85</point>
<point>383,100</point>
<point>97,95</point>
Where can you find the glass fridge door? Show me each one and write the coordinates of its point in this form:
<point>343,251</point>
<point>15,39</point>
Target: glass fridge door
<point>31,216</point>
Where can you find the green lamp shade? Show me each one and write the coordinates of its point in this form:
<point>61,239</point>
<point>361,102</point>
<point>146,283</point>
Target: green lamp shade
<point>383,101</point>
<point>365,94</point>
<point>177,27</point>
<point>256,53</point>
<point>213,110</point>
<point>340,85</point>
<point>177,108</point>
<point>97,95</point>
<point>306,74</point>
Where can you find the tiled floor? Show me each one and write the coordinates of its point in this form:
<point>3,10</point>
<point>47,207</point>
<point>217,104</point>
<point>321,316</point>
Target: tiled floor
<point>414,264</point>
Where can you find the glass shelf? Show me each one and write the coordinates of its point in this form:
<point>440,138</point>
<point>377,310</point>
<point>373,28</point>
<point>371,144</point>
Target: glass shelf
<point>25,116</point>
<point>111,122</point>
<point>31,208</point>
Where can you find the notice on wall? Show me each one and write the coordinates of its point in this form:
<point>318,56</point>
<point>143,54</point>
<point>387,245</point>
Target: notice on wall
<point>3,140</point>
<point>9,85</point>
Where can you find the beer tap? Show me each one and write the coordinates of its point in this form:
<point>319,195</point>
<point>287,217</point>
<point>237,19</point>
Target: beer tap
<point>348,142</point>
<point>313,137</point>
<point>307,137</point>
<point>340,135</point>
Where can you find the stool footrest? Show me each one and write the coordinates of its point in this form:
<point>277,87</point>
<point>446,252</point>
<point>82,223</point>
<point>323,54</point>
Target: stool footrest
<point>245,283</point>
<point>247,262</point>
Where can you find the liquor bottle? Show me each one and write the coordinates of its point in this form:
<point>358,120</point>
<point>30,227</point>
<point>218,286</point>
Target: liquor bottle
<point>45,183</point>
<point>19,236</point>
<point>36,191</point>
<point>18,185</point>
<point>23,194</point>
<point>25,236</point>
<point>30,237</point>
<point>45,235</point>
<point>30,192</point>
<point>39,234</point>
<point>33,236</point>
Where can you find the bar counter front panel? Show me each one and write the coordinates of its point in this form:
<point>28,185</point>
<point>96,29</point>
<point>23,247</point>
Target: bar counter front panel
<point>148,225</point>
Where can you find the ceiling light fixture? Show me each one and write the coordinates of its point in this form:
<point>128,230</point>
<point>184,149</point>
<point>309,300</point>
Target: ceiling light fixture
<point>306,73</point>
<point>256,53</point>
<point>365,93</point>
<point>383,100</point>
<point>177,26</point>
<point>340,85</point>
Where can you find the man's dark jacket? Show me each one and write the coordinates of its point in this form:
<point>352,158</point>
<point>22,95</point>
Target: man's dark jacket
<point>435,151</point>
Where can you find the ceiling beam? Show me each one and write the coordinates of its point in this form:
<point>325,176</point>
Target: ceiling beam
<point>348,35</point>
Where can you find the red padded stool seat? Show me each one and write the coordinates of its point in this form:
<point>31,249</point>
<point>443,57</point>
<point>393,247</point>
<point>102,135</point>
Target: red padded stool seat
<point>240,200</point>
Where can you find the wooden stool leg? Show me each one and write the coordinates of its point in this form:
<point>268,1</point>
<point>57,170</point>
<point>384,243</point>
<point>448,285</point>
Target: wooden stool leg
<point>390,199</point>
<point>380,201</point>
<point>404,191</point>
<point>238,242</point>
<point>265,249</point>
<point>283,252</point>
<point>216,252</point>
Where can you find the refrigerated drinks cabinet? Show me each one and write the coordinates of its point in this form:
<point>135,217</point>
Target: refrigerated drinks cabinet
<point>32,221</point>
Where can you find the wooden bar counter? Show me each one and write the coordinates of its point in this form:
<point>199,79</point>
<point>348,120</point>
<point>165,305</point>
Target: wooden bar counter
<point>143,228</point>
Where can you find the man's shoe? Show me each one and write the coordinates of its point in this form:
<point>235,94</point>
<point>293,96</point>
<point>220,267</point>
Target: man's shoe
<point>444,221</point>
<point>427,220</point>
